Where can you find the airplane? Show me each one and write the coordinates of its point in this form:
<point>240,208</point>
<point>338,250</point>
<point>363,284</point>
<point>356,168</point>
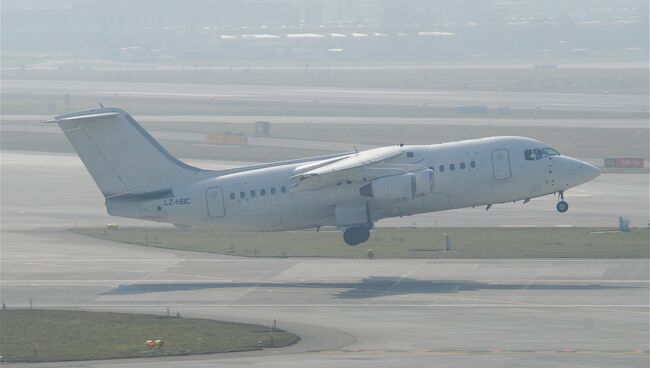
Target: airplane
<point>351,191</point>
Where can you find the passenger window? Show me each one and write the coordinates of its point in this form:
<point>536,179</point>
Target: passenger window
<point>441,168</point>
<point>462,166</point>
<point>262,191</point>
<point>242,195</point>
<point>452,167</point>
<point>252,193</point>
<point>283,189</point>
<point>528,155</point>
<point>409,154</point>
<point>472,164</point>
<point>232,196</point>
<point>272,190</point>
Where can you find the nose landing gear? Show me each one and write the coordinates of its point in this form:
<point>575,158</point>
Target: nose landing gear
<point>562,206</point>
<point>356,235</point>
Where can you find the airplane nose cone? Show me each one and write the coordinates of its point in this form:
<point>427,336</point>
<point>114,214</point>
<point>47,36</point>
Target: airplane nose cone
<point>578,172</point>
<point>585,172</point>
<point>590,172</point>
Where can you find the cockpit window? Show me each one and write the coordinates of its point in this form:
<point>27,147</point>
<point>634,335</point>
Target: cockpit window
<point>528,154</point>
<point>539,153</point>
<point>551,152</point>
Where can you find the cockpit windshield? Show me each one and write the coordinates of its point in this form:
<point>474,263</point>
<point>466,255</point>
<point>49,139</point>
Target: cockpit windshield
<point>532,154</point>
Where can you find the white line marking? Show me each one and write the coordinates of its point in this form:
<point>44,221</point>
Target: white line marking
<point>337,260</point>
<point>476,305</point>
<point>209,281</point>
<point>517,225</point>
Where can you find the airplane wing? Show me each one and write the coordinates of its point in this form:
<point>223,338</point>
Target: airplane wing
<point>358,167</point>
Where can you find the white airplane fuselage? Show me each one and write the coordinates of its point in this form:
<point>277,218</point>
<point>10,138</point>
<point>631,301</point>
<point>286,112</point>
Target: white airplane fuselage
<point>464,174</point>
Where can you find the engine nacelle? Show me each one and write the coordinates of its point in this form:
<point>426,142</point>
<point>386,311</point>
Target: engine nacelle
<point>423,182</point>
<point>405,186</point>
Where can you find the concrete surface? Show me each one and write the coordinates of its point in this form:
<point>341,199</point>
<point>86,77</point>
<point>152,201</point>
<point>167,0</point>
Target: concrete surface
<point>343,98</point>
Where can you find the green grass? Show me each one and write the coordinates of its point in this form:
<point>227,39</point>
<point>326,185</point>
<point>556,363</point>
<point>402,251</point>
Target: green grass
<point>398,242</point>
<point>53,335</point>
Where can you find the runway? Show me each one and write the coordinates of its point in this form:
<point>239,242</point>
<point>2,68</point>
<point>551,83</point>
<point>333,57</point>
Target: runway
<point>24,120</point>
<point>349,313</point>
<point>353,313</point>
<point>317,99</point>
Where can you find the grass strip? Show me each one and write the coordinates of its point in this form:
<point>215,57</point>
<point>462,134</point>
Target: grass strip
<point>533,242</point>
<point>58,335</point>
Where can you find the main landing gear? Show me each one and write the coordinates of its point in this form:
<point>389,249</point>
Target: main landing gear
<point>356,235</point>
<point>562,206</point>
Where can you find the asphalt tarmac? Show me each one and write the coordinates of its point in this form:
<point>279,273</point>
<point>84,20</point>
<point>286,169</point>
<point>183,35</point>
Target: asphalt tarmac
<point>342,98</point>
<point>349,313</point>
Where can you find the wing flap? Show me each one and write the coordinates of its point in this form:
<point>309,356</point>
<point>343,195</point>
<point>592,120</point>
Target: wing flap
<point>358,167</point>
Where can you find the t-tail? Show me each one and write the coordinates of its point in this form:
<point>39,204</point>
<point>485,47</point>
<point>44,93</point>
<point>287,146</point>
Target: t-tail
<point>125,161</point>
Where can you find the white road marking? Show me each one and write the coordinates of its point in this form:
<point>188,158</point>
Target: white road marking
<point>157,282</point>
<point>334,260</point>
<point>364,305</point>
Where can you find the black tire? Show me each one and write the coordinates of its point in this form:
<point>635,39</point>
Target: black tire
<point>364,234</point>
<point>562,207</point>
<point>356,235</point>
<point>352,236</point>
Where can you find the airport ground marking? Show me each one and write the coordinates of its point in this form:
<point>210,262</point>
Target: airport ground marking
<point>430,352</point>
<point>337,260</point>
<point>361,305</point>
<point>66,282</point>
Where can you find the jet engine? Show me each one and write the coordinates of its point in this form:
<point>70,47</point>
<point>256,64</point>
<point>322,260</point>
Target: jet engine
<point>396,187</point>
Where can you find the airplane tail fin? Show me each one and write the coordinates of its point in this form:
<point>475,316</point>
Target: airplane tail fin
<point>120,155</point>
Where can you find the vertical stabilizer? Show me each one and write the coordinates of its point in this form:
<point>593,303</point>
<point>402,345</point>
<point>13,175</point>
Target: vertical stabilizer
<point>120,155</point>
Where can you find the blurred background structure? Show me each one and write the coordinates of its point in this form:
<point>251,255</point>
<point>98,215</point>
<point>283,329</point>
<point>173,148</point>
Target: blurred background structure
<point>542,31</point>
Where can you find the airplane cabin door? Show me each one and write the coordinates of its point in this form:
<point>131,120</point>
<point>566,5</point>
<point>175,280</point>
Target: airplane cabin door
<point>501,164</point>
<point>214,200</point>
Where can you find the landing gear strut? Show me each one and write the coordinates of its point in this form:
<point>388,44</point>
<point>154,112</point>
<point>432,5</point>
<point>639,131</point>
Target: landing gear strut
<point>562,206</point>
<point>356,235</point>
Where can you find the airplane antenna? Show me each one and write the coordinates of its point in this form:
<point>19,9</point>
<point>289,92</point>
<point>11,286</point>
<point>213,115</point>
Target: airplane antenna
<point>356,150</point>
<point>100,105</point>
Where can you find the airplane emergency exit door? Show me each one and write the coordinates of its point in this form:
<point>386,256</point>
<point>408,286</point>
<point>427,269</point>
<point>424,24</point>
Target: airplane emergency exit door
<point>501,164</point>
<point>214,200</point>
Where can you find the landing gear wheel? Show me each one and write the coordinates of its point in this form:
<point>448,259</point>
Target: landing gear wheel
<point>350,236</point>
<point>356,235</point>
<point>365,234</point>
<point>562,206</point>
